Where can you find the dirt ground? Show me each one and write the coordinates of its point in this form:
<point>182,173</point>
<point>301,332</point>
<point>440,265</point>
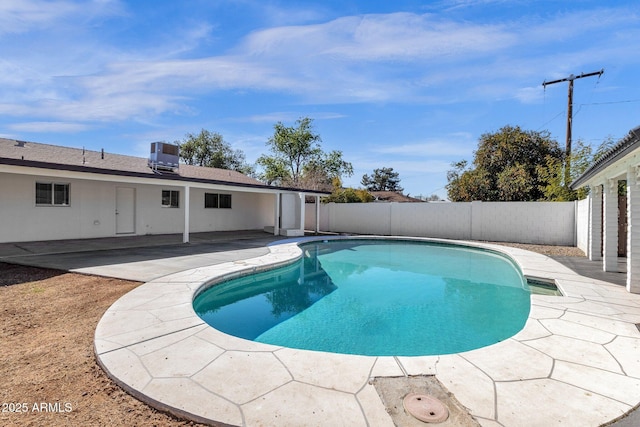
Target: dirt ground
<point>48,371</point>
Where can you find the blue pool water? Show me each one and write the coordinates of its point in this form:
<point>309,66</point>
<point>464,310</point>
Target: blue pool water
<point>375,297</point>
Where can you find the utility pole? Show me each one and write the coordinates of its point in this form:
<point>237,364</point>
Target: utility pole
<point>570,79</point>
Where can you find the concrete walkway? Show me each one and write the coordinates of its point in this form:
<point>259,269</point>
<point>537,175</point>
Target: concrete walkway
<point>593,269</point>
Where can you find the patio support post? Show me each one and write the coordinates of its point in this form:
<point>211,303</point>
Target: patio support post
<point>276,213</point>
<point>317,230</point>
<point>187,203</point>
<point>594,248</point>
<point>633,230</point>
<point>302,198</point>
<point>610,226</point>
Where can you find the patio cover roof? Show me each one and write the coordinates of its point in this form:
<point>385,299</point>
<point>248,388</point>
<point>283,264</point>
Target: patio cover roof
<point>625,146</point>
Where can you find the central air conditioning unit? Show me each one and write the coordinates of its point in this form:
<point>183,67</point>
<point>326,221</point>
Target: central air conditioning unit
<point>164,156</point>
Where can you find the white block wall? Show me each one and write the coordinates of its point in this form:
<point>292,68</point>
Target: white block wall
<point>552,223</point>
<point>360,218</point>
<point>442,220</point>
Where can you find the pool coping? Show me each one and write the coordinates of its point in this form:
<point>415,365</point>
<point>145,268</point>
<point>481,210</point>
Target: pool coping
<point>577,351</point>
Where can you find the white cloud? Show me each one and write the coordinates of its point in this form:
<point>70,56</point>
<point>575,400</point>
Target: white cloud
<point>289,116</point>
<point>273,117</point>
<point>187,39</point>
<point>372,58</point>
<point>452,147</point>
<point>460,4</point>
<point>198,75</point>
<point>54,127</point>
<point>21,16</point>
<point>395,36</point>
<point>278,16</point>
<point>529,95</point>
<point>421,167</point>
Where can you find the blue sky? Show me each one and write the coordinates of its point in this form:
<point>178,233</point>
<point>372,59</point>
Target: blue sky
<point>405,84</point>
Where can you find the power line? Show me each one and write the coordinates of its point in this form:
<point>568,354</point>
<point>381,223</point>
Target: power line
<point>561,113</point>
<point>590,96</point>
<point>613,102</point>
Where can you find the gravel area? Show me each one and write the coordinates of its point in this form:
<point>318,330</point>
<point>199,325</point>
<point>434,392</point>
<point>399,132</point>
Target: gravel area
<point>570,251</point>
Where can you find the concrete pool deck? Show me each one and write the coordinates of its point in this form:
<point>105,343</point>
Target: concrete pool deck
<point>576,362</point>
<point>139,258</point>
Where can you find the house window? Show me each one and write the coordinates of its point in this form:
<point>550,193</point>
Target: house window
<point>52,194</point>
<point>210,200</point>
<point>225,201</point>
<point>170,198</point>
<point>214,200</point>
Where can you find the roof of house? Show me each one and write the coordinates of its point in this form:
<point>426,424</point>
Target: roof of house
<point>625,146</point>
<point>392,196</point>
<point>22,153</point>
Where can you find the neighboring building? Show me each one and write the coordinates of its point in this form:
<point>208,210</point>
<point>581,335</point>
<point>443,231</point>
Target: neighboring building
<point>51,192</point>
<point>393,196</point>
<point>609,216</point>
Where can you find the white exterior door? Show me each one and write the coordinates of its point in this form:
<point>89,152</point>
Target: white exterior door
<point>125,210</point>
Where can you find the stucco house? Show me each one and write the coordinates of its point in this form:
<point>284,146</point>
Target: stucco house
<point>51,192</point>
<point>608,216</point>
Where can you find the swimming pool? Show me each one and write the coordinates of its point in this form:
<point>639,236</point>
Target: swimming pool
<point>375,297</point>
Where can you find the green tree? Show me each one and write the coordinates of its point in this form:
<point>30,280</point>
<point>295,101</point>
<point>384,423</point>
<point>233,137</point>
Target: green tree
<point>506,166</point>
<point>211,150</point>
<point>275,171</point>
<point>552,173</point>
<point>321,172</point>
<point>604,146</point>
<point>582,156</point>
<point>465,184</point>
<point>348,195</point>
<point>297,160</point>
<point>382,179</point>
